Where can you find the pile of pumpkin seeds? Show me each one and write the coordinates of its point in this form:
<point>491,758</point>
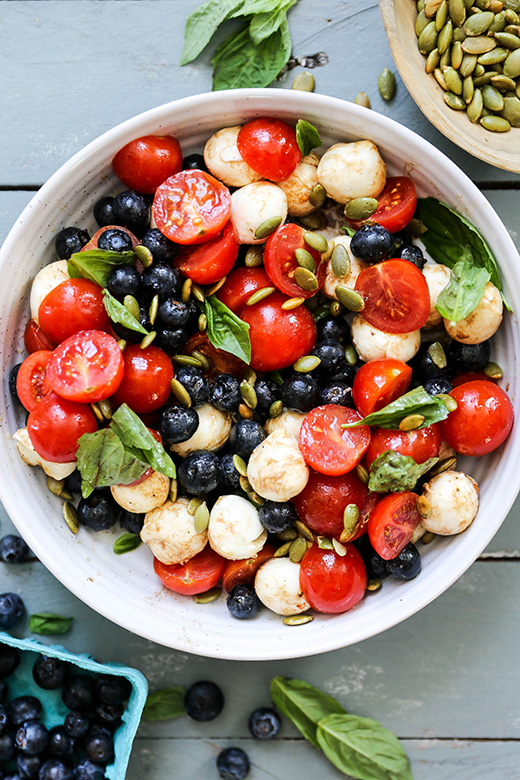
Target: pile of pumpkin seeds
<point>472,48</point>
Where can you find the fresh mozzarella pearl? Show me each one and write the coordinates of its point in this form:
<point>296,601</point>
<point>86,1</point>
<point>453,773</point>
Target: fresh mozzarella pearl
<point>349,280</point>
<point>353,170</point>
<point>453,498</point>
<point>277,585</point>
<point>276,468</point>
<point>254,204</point>
<point>212,433</point>
<point>288,421</point>
<point>482,322</point>
<point>299,185</point>
<point>224,161</point>
<point>374,344</point>
<point>437,277</point>
<point>46,280</point>
<point>147,495</point>
<point>29,455</point>
<point>234,529</point>
<point>169,532</point>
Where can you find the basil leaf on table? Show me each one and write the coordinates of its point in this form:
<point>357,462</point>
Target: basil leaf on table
<point>96,264</point>
<point>416,401</point>
<point>252,7</point>
<point>202,23</point>
<point>120,314</point>
<point>307,137</point>
<point>225,330</point>
<point>126,543</point>
<point>138,440</point>
<point>103,461</point>
<point>165,704</point>
<point>48,624</point>
<point>303,704</point>
<point>264,24</point>
<point>392,472</point>
<point>463,292</point>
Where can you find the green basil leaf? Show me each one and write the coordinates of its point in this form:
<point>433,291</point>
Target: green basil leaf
<point>202,23</point>
<point>251,7</point>
<point>138,440</point>
<point>276,377</point>
<point>362,748</point>
<point>165,704</point>
<point>303,704</point>
<point>120,314</point>
<point>47,624</point>
<point>264,24</point>
<point>96,264</point>
<point>307,136</point>
<point>103,461</point>
<point>126,543</point>
<point>463,292</point>
<point>392,472</point>
<point>349,231</point>
<point>225,330</point>
<point>416,401</point>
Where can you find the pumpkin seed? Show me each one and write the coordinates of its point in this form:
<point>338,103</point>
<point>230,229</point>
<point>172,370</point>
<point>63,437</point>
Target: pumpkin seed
<point>201,518</point>
<point>154,308</point>
<point>180,393</point>
<point>304,81</point>
<point>511,16</point>
<point>240,465</point>
<point>335,308</point>
<point>468,4</point>
<point>259,295</point>
<point>431,7</point>
<point>456,55</point>
<point>245,485</point>
<point>511,111</point>
<point>508,40</point>
<point>432,61</point>
<point>437,354</point>
<point>248,393</point>
<point>440,79</point>
<point>305,259</point>
<point>339,548</point>
<point>202,322</point>
<point>386,84</point>
<point>320,311</point>
<point>144,255</point>
<point>458,35</point>
<point>361,208</point>
<point>350,299</point>
<point>467,66</point>
<point>428,38</point>
<point>147,340</point>
<point>292,303</point>
<point>479,23</point>
<point>186,360</point>
<point>197,292</point>
<point>55,485</point>
<point>512,65</point>
<point>70,516</point>
<point>305,279</point>
<point>449,402</point>
<point>281,551</point>
<point>497,124</point>
<point>362,472</point>
<point>172,495</point>
<point>514,29</point>
<point>275,409</point>
<point>215,287</point>
<point>305,532</point>
<point>428,537</point>
<point>254,256</point>
<point>424,507</point>
<point>494,57</point>
<point>492,98</point>
<point>289,535</point>
<point>208,596</point>
<point>468,89</point>
<point>480,44</point>
<point>493,371</point>
<point>316,241</point>
<point>193,504</point>
<point>203,360</point>
<point>499,22</point>
<point>130,303</point>
<point>98,414</point>
<point>441,16</point>
<point>121,344</point>
<point>496,6</point>
<point>443,465</point>
<point>186,290</point>
<point>362,99</point>
<point>267,227</point>
<point>481,81</point>
<point>324,543</point>
<point>297,550</point>
<point>474,110</point>
<point>306,364</point>
<point>445,59</point>
<point>350,522</point>
<point>105,407</point>
<point>297,620</point>
<point>457,12</point>
<point>454,101</point>
<point>445,36</point>
<point>374,584</point>
<point>340,261</point>
<point>453,80</point>
<point>480,5</point>
<point>245,412</point>
<point>503,82</point>
<point>317,197</point>
<point>479,70</point>
<point>411,422</point>
<point>514,5</point>
<point>351,356</point>
<point>421,22</point>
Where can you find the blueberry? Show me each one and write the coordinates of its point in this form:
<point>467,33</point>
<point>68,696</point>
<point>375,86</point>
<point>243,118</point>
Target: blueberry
<point>203,701</point>
<point>9,660</point>
<point>99,511</point>
<point>267,392</point>
<point>332,328</point>
<point>54,769</point>
<point>32,737</point>
<point>104,211</point>
<point>242,602</point>
<point>277,516</point>
<point>4,719</point>
<point>132,336</point>
<point>87,770</point>
<point>24,708</point>
<point>49,673</point>
<point>468,357</point>
<point>402,239</point>
<point>73,481</point>
<point>99,747</point>
<point>13,374</point>
<point>177,424</point>
<point>173,314</point>
<point>347,373</point>
<point>76,724</point>
<point>132,211</point>
<point>171,341</point>
<point>124,280</point>
<point>301,392</point>
<point>264,723</point>
<point>13,549</point>
<point>407,565</point>
<point>199,473</point>
<point>115,240</point>
<point>194,162</point>
<point>113,690</point>
<point>12,610</point>
<point>78,693</point>
<point>425,367</point>
<point>195,383</point>
<point>233,764</point>
<point>61,744</point>
<point>160,279</point>
<point>439,385</point>
<point>69,241</point>
<point>163,250</point>
<point>7,748</point>
<point>372,243</point>
<point>375,565</point>
<point>230,475</point>
<point>414,255</point>
<point>132,521</point>
<point>224,393</point>
<point>337,393</point>
<point>110,715</point>
<point>28,766</point>
<point>246,435</point>
<point>331,354</point>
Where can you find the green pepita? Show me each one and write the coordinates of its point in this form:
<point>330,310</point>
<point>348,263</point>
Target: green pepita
<point>201,518</point>
<point>304,532</point>
<point>431,7</point>
<point>361,208</point>
<point>154,308</point>
<point>492,98</point>
<point>339,548</point>
<point>362,473</point>
<point>386,84</point>
<point>197,292</point>
<point>55,485</point>
<point>493,371</point>
<point>437,354</point>
<point>306,364</point>
<point>208,596</point>
<point>340,261</point>
<point>316,241</point>
<point>498,23</point>
<point>497,124</point>
<point>317,198</point>
<point>445,59</point>
<point>324,543</point>
<point>493,57</point>
<point>454,101</point>
<point>121,343</point>
<point>193,504</point>
<point>511,111</point>
<point>248,393</point>
<point>254,256</point>
<point>215,287</point>
<point>477,24</point>
<point>172,495</point>
<point>267,227</point>
<point>432,61</point>
<point>441,16</point>
<point>467,66</point>
<point>203,360</point>
<point>245,485</point>
<point>424,507</point>
<point>511,16</point>
<point>421,22</point>
<point>292,303</point>
<point>512,65</point>
<point>297,550</point>
<point>428,38</point>
<point>351,356</point>
<point>180,393</point>
<point>282,551</point>
<point>480,44</point>
<point>439,77</point>
<point>449,402</point>
<point>144,255</point>
<point>275,409</point>
<point>130,303</point>
<point>457,12</point>
<point>240,465</point>
<point>458,35</point>
<point>186,360</point>
<point>147,340</point>
<point>98,414</point>
<point>479,70</point>
<point>335,308</point>
<point>443,465</point>
<point>202,322</point>
<point>456,55</point>
<point>468,90</point>
<point>453,80</point>
<point>305,278</point>
<point>374,584</point>
<point>503,82</point>
<point>411,422</point>
<point>289,535</point>
<point>186,290</point>
<point>350,522</point>
<point>297,620</point>
<point>105,407</point>
<point>362,99</point>
<point>305,259</point>
<point>481,81</point>
<point>508,40</point>
<point>304,81</point>
<point>428,537</point>
<point>259,295</point>
<point>445,37</point>
<point>349,298</point>
<point>70,516</point>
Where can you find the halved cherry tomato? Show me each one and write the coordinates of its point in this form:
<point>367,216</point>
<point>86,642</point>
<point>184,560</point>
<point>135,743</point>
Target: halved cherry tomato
<point>470,376</point>
<point>270,147</point>
<point>482,420</point>
<point>34,338</point>
<point>365,515</point>
<point>421,444</point>
<point>322,502</point>
<point>278,337</point>
<point>55,426</point>
<point>378,383</point>
<point>240,285</point>
<point>220,361</point>
<point>333,583</point>
<point>191,207</point>
<point>93,243</point>
<point>86,367</point>
<point>197,575</point>
<point>329,448</point>
<point>32,383</point>
<point>207,263</point>
<point>74,305</point>
<point>146,380</point>
<point>397,299</point>
<point>146,162</point>
<point>243,572</point>
<point>280,261</point>
<point>392,523</point>
<point>397,205</point>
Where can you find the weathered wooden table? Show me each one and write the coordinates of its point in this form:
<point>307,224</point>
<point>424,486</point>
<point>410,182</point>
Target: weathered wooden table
<point>447,681</point>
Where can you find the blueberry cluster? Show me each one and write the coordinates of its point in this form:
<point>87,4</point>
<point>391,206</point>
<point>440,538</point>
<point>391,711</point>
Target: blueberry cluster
<point>406,566</point>
<point>374,243</point>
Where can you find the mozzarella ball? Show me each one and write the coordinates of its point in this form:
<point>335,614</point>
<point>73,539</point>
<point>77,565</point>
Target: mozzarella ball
<point>147,495</point>
<point>349,280</point>
<point>277,585</point>
<point>212,433</point>
<point>437,277</point>
<point>276,468</point>
<point>288,420</point>
<point>254,204</point>
<point>299,185</point>
<point>169,531</point>
<point>44,282</point>
<point>374,344</point>
<point>224,161</point>
<point>482,322</point>
<point>235,531</point>
<point>353,170</point>
<point>29,455</point>
<point>453,498</point>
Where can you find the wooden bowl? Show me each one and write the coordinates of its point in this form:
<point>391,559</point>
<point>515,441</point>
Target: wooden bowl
<point>499,149</point>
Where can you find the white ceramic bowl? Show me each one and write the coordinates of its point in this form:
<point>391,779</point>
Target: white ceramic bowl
<point>124,588</point>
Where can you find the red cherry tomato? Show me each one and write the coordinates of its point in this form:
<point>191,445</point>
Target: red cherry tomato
<point>146,380</point>
<point>197,575</point>
<point>482,420</point>
<point>329,448</point>
<point>392,523</point>
<point>322,502</point>
<point>146,162</point>
<point>378,383</point>
<point>280,261</point>
<point>397,205</point>
<point>207,263</point>
<point>34,338</point>
<point>365,515</point>
<point>74,305</point>
<point>278,337</point>
<point>55,426</point>
<point>240,285</point>
<point>243,572</point>
<point>86,367</point>
<point>420,444</point>
<point>270,147</point>
<point>32,383</point>
<point>333,583</point>
<point>93,243</point>
<point>191,207</point>
<point>470,376</point>
<point>220,361</point>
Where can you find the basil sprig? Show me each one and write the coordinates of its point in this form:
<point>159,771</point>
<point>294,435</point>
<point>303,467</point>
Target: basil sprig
<point>307,137</point>
<point>416,401</point>
<point>392,472</point>
<point>126,543</point>
<point>225,330</point>
<point>463,292</point>
<point>120,314</point>
<point>165,704</point>
<point>96,264</point>
<point>48,624</point>
<point>303,704</point>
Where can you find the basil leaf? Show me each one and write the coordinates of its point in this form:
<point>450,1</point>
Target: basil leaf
<point>120,314</point>
<point>225,330</point>
<point>307,136</point>
<point>349,231</point>
<point>138,440</point>
<point>202,23</point>
<point>276,377</point>
<point>463,292</point>
<point>303,704</point>
<point>126,543</point>
<point>47,624</point>
<point>251,7</point>
<point>239,63</point>
<point>416,401</point>
<point>392,472</point>
<point>96,264</point>
<point>103,461</point>
<point>264,24</point>
<point>165,704</point>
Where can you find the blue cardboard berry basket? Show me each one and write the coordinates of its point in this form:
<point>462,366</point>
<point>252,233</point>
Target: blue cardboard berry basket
<point>21,683</point>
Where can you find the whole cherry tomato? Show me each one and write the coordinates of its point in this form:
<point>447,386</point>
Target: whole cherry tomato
<point>240,285</point>
<point>392,523</point>
<point>421,444</point>
<point>470,376</point>
<point>329,448</point>
<point>322,502</point>
<point>280,260</point>
<point>378,383</point>
<point>146,380</point>
<point>197,575</point>
<point>146,162</point>
<point>207,263</point>
<point>32,383</point>
<point>332,583</point>
<point>396,207</point>
<point>74,305</point>
<point>55,426</point>
<point>270,147</point>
